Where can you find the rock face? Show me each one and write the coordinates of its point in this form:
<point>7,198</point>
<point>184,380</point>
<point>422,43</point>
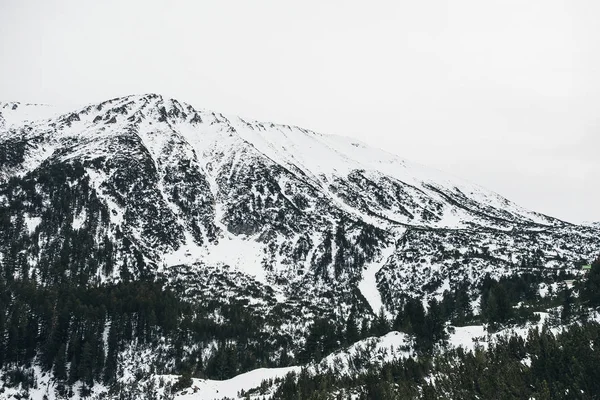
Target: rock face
<point>297,222</point>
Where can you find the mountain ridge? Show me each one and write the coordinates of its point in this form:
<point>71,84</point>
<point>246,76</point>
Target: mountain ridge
<point>391,158</point>
<point>399,195</point>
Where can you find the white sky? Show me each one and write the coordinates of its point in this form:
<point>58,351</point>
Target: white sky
<point>504,93</point>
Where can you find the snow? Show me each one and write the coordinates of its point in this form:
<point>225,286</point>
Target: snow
<point>379,349</point>
<point>463,336</point>
<point>20,113</point>
<point>393,339</point>
<point>368,284</point>
<point>243,254</point>
<point>445,287</point>
<point>544,288</point>
<point>206,389</point>
<point>452,217</point>
<point>468,337</point>
<point>392,346</point>
<point>44,389</point>
<point>79,220</point>
<point>592,224</point>
<point>324,158</point>
<point>32,223</point>
<point>321,157</point>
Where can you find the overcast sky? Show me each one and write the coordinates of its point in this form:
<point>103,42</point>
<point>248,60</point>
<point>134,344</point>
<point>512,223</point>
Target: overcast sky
<point>504,93</point>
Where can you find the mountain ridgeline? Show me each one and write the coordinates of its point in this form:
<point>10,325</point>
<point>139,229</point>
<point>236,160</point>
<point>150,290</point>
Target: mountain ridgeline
<point>141,235</point>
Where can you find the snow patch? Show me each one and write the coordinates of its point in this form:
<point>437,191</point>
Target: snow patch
<point>465,336</point>
<point>243,254</point>
<point>368,284</point>
<point>32,223</point>
<point>207,389</point>
<point>79,220</point>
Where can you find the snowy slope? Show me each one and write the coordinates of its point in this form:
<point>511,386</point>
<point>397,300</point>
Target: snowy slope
<point>205,389</point>
<point>321,160</point>
<point>302,212</point>
<point>324,157</point>
<point>282,204</point>
<point>15,114</point>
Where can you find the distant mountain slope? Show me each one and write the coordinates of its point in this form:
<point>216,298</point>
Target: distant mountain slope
<point>592,224</point>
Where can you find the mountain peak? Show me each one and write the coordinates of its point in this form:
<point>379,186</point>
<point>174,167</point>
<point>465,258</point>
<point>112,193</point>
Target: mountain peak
<point>322,159</point>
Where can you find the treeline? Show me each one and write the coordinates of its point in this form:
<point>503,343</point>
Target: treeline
<point>541,366</point>
<point>78,332</point>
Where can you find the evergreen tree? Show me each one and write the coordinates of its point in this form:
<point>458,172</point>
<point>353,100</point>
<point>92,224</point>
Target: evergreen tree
<point>381,325</point>
<point>352,333</point>
<point>567,306</point>
<point>60,364</point>
<point>590,293</point>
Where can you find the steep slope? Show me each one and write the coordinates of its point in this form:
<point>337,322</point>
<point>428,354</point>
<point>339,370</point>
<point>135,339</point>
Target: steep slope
<point>185,186</point>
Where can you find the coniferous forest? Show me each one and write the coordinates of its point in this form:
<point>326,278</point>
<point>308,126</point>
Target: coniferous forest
<point>541,366</point>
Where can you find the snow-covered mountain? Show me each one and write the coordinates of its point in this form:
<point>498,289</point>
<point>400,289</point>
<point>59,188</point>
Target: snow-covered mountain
<point>592,224</point>
<point>293,212</point>
<point>271,226</point>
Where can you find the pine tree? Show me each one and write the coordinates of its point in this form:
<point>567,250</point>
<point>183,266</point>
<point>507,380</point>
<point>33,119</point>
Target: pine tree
<point>60,364</point>
<point>591,287</point>
<point>567,306</point>
<point>352,334</point>
<point>381,326</point>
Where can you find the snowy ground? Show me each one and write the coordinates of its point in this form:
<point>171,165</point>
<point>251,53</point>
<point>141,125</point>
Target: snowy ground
<point>45,389</point>
<point>206,389</point>
<point>374,350</point>
<point>392,346</point>
<point>368,285</point>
